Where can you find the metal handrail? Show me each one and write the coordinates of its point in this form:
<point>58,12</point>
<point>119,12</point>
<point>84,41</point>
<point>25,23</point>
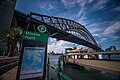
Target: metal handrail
<point>58,71</point>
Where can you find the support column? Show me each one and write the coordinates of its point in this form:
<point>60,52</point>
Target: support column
<point>100,56</point>
<point>109,56</point>
<point>80,56</point>
<point>75,56</point>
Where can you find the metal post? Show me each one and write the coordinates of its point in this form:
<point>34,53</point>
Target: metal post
<point>81,57</point>
<point>59,69</point>
<point>87,56</point>
<point>48,64</point>
<point>109,56</point>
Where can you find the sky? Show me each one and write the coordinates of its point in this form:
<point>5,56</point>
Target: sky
<point>100,17</point>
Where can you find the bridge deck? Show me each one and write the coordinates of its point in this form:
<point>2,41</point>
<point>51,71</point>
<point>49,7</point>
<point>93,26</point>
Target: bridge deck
<point>9,75</point>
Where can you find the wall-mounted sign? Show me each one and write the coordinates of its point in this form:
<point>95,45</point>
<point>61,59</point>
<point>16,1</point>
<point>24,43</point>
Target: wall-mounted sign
<point>32,63</point>
<point>42,28</point>
<point>29,35</point>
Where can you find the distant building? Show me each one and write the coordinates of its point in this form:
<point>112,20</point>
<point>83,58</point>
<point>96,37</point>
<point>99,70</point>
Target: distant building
<point>70,50</point>
<point>6,14</point>
<point>51,53</point>
<point>80,50</point>
<point>111,48</point>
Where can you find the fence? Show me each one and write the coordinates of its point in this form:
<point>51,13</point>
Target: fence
<point>58,70</point>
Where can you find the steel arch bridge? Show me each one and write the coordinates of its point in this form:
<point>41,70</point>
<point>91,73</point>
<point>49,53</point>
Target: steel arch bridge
<point>60,28</point>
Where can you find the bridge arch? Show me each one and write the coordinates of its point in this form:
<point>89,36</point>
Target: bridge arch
<point>63,29</point>
<point>65,25</point>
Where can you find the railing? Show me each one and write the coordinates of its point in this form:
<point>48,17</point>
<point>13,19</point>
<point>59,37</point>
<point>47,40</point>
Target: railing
<point>96,55</point>
<point>58,70</point>
<point>7,64</point>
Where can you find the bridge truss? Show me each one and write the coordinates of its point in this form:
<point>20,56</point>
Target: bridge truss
<point>60,28</point>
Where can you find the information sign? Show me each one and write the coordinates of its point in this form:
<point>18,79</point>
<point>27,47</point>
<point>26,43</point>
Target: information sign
<point>42,28</point>
<point>29,35</point>
<point>32,63</point>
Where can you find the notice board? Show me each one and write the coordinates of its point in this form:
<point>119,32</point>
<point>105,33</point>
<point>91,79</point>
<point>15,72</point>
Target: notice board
<point>32,63</point>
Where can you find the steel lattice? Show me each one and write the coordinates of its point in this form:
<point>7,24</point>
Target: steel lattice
<point>66,25</point>
<point>59,28</point>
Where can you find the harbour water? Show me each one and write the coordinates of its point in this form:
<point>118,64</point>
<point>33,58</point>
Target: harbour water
<point>112,57</point>
<point>82,72</point>
<point>53,62</point>
<point>86,73</point>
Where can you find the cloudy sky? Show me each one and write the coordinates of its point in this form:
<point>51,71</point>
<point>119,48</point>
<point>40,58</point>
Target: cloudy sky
<point>100,17</point>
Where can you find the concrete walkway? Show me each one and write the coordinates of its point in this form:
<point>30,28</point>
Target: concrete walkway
<point>9,75</point>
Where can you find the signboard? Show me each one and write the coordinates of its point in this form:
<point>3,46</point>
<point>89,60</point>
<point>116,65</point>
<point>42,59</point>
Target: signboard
<point>32,63</point>
<point>29,35</point>
<point>41,28</point>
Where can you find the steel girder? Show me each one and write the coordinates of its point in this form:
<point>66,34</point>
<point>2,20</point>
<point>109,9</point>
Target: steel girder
<point>59,28</point>
<point>66,25</point>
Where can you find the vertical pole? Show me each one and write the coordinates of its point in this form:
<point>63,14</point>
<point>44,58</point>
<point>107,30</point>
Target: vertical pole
<point>59,69</point>
<point>96,56</point>
<point>88,56</point>
<point>63,59</point>
<point>45,60</point>
<point>109,56</point>
<point>80,56</point>
<point>48,64</point>
<point>77,56</point>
